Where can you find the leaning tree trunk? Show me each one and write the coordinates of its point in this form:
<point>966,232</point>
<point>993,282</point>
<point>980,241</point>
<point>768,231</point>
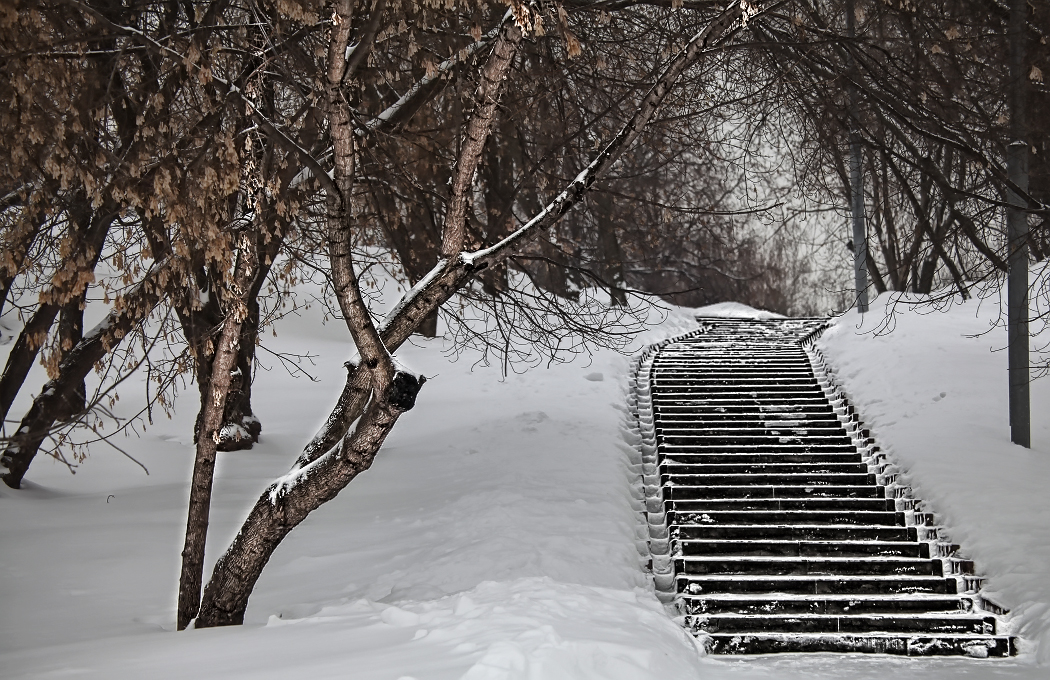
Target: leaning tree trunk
<point>286,503</point>
<point>320,474</point>
<point>23,354</point>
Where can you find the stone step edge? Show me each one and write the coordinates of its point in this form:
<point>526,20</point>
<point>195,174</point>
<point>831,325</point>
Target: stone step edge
<point>736,644</point>
<point>971,581</point>
<point>814,597</point>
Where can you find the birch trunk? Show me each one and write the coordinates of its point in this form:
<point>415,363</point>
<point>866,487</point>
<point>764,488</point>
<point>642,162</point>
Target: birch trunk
<point>204,474</point>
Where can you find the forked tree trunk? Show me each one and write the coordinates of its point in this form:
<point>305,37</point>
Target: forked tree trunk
<point>210,423</point>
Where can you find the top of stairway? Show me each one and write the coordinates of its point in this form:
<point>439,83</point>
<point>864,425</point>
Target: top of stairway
<point>718,327</point>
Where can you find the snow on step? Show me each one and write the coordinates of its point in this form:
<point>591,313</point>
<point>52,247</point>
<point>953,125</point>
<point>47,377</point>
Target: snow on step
<point>776,525</point>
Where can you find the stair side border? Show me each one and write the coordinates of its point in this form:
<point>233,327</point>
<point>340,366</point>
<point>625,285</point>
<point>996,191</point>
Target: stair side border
<point>918,513</point>
<point>642,436</point>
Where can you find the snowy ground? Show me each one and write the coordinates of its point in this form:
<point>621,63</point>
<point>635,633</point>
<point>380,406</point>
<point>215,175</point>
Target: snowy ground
<point>495,537</point>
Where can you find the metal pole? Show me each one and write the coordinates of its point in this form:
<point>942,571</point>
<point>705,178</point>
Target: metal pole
<point>856,178</point>
<point>860,235</point>
<point>1017,299</point>
<point>1017,234</point>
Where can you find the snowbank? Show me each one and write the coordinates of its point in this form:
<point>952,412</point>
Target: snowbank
<point>495,537</point>
<point>734,310</point>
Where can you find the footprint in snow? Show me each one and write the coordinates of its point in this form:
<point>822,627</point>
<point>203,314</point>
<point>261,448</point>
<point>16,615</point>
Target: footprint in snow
<point>530,419</point>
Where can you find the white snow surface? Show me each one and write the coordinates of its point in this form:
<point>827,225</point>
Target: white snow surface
<point>734,310</point>
<point>494,538</point>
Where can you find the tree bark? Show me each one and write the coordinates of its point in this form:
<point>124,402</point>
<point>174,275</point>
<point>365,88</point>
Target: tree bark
<point>240,428</point>
<point>208,434</point>
<point>612,254</point>
<point>23,354</point>
<point>492,76</point>
<point>204,474</point>
<point>93,228</point>
<point>450,275</point>
<point>17,245</point>
<point>288,501</point>
<point>70,333</point>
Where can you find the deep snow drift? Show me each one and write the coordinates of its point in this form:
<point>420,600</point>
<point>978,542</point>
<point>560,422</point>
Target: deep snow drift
<point>495,537</point>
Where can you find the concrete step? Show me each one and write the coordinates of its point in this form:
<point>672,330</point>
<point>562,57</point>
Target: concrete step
<point>978,646</point>
<point>802,566</point>
<point>728,355</point>
<point>772,438</point>
<point>712,374</point>
<point>755,428</point>
<point>816,584</point>
<point>681,490</point>
<point>739,548</point>
<point>786,479</point>
<point>816,409</point>
<point>758,426</point>
<point>775,532</point>
<point>684,468</point>
<point>674,449</point>
<point>762,458</point>
<point>956,624</point>
<point>672,385</point>
<point>770,392</point>
<point>706,408</point>
<point>685,515</point>
<point>778,504</point>
<point>772,402</point>
<point>830,605</point>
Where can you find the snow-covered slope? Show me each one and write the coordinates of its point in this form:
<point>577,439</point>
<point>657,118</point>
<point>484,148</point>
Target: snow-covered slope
<point>494,538</point>
<point>735,310</point>
<point>495,535</point>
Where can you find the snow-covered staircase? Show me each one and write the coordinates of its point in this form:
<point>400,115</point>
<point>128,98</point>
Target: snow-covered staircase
<point>783,528</point>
